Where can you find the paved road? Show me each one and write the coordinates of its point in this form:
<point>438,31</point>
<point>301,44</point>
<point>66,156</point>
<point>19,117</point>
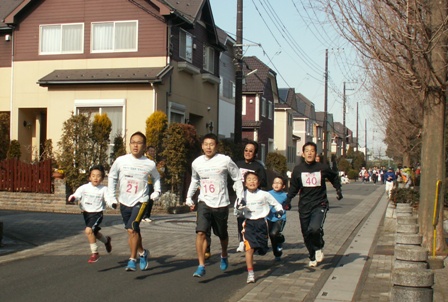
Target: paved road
<point>50,262</point>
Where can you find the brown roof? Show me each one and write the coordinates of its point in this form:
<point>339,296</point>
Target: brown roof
<point>251,124</point>
<point>6,7</point>
<point>256,81</point>
<point>105,76</point>
<point>187,9</point>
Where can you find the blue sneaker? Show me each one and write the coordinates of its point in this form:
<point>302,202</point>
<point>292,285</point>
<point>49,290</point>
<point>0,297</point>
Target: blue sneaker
<point>200,271</point>
<point>224,264</point>
<point>132,265</point>
<point>144,260</point>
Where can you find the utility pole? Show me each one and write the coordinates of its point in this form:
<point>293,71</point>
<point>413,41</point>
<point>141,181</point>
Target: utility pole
<point>357,136</point>
<point>344,137</point>
<point>365,139</point>
<point>239,73</point>
<point>325,107</point>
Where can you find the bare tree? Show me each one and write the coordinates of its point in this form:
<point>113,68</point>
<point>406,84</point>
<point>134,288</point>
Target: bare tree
<point>408,39</point>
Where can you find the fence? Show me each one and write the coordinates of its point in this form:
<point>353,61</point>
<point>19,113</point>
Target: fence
<point>17,176</point>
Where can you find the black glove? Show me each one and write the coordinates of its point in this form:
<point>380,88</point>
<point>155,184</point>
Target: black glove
<point>240,203</point>
<point>339,194</point>
<point>114,206</point>
<point>279,214</point>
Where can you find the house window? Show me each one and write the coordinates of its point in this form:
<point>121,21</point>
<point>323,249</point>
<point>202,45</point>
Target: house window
<point>186,46</point>
<point>119,36</point>
<point>263,107</point>
<point>263,152</point>
<point>270,110</point>
<point>209,59</point>
<point>61,39</point>
<point>115,110</point>
<point>289,119</point>
<point>176,113</point>
<point>221,86</point>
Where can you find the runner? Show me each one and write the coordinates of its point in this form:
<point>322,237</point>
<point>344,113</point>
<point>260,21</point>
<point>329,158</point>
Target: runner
<point>308,178</point>
<point>210,172</point>
<point>276,223</point>
<point>131,173</point>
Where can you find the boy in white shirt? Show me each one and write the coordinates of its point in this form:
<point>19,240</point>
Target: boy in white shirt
<point>92,201</point>
<point>256,206</point>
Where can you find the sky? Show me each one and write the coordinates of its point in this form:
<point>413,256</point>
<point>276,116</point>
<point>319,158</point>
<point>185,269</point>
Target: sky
<point>292,38</point>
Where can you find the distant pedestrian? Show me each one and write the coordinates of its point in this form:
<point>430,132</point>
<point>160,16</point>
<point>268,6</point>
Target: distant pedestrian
<point>92,199</point>
<point>131,172</point>
<point>255,206</point>
<point>276,224</point>
<point>390,178</point>
<point>308,179</point>
<point>210,172</point>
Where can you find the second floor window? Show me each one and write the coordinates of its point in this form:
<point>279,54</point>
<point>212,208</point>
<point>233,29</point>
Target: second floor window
<point>186,46</point>
<point>61,39</point>
<point>120,36</point>
<point>209,59</point>
<point>270,110</point>
<point>263,107</point>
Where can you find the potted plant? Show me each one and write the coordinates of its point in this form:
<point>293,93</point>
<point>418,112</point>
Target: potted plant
<point>58,173</point>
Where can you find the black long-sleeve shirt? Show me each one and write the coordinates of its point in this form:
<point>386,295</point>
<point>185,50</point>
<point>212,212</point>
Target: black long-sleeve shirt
<point>309,181</point>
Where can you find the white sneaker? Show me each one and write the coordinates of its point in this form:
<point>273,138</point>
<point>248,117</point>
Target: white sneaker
<point>147,220</point>
<point>240,248</point>
<point>319,255</point>
<point>312,263</point>
<point>250,278</point>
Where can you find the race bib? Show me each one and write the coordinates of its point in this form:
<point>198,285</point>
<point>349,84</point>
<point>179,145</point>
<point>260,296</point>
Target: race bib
<point>311,179</point>
<point>132,186</point>
<point>209,187</point>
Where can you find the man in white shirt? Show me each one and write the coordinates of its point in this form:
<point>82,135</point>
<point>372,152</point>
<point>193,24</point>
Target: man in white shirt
<point>131,173</point>
<point>209,172</point>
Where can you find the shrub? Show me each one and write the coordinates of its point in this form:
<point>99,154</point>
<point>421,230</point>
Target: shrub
<point>4,135</point>
<point>156,125</point>
<point>352,174</point>
<point>402,195</point>
<point>276,162</point>
<point>119,149</point>
<point>14,149</point>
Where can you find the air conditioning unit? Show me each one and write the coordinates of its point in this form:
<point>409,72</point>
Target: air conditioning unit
<point>7,38</point>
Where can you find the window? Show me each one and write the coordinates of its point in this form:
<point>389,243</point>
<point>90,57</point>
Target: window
<point>119,36</point>
<point>115,110</point>
<point>263,152</point>
<point>209,59</point>
<point>263,107</point>
<point>270,110</point>
<point>176,113</point>
<point>186,46</point>
<point>61,39</point>
<point>221,86</point>
<point>289,119</point>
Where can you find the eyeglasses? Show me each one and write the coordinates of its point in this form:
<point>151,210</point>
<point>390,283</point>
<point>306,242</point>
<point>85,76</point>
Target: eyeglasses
<point>136,143</point>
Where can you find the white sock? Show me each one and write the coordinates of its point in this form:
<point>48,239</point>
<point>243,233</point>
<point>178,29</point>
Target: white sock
<point>94,248</point>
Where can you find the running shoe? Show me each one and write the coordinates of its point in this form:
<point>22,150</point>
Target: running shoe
<point>108,244</point>
<point>224,264</point>
<point>240,248</point>
<point>94,258</point>
<point>279,247</point>
<point>132,265</point>
<point>147,220</point>
<point>319,256</point>
<point>144,260</point>
<point>250,278</point>
<point>200,272</point>
<point>312,263</point>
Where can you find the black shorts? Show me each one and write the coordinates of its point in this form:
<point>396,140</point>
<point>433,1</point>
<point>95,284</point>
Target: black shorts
<point>132,216</point>
<point>255,234</point>
<point>216,218</point>
<point>93,220</point>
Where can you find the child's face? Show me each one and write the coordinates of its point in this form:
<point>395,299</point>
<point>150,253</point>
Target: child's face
<point>95,177</point>
<point>278,185</point>
<point>251,182</point>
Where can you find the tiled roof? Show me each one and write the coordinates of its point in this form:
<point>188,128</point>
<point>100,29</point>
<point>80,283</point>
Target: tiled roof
<point>6,7</point>
<point>251,124</point>
<point>105,76</point>
<point>188,9</point>
<point>256,81</point>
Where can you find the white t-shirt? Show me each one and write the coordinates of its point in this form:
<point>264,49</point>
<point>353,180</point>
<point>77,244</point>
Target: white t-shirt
<point>92,199</point>
<point>210,174</point>
<point>258,204</point>
<point>132,175</point>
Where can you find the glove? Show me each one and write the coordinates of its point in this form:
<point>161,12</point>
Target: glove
<point>71,199</point>
<point>240,203</point>
<point>114,206</point>
<point>339,194</point>
<point>238,213</point>
<point>279,214</point>
<point>155,195</point>
<point>287,206</point>
<point>189,202</point>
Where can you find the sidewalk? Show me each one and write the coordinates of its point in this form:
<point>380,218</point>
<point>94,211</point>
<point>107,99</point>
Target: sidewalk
<point>358,251</point>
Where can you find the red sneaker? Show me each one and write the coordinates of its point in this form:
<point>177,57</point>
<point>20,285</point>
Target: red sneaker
<point>108,244</point>
<point>94,258</point>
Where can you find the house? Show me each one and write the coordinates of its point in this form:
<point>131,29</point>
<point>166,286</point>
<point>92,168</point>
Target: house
<point>124,58</point>
<point>305,121</point>
<point>260,93</point>
<point>285,136</point>
<point>227,69</point>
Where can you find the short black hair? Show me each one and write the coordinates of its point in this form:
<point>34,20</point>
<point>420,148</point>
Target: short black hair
<point>141,135</point>
<point>309,144</point>
<point>251,172</point>
<point>282,179</point>
<point>254,143</point>
<point>210,136</point>
<point>99,168</point>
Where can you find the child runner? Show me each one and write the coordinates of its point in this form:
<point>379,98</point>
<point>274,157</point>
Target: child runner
<point>255,207</point>
<point>92,197</point>
<point>275,223</point>
<point>131,172</point>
